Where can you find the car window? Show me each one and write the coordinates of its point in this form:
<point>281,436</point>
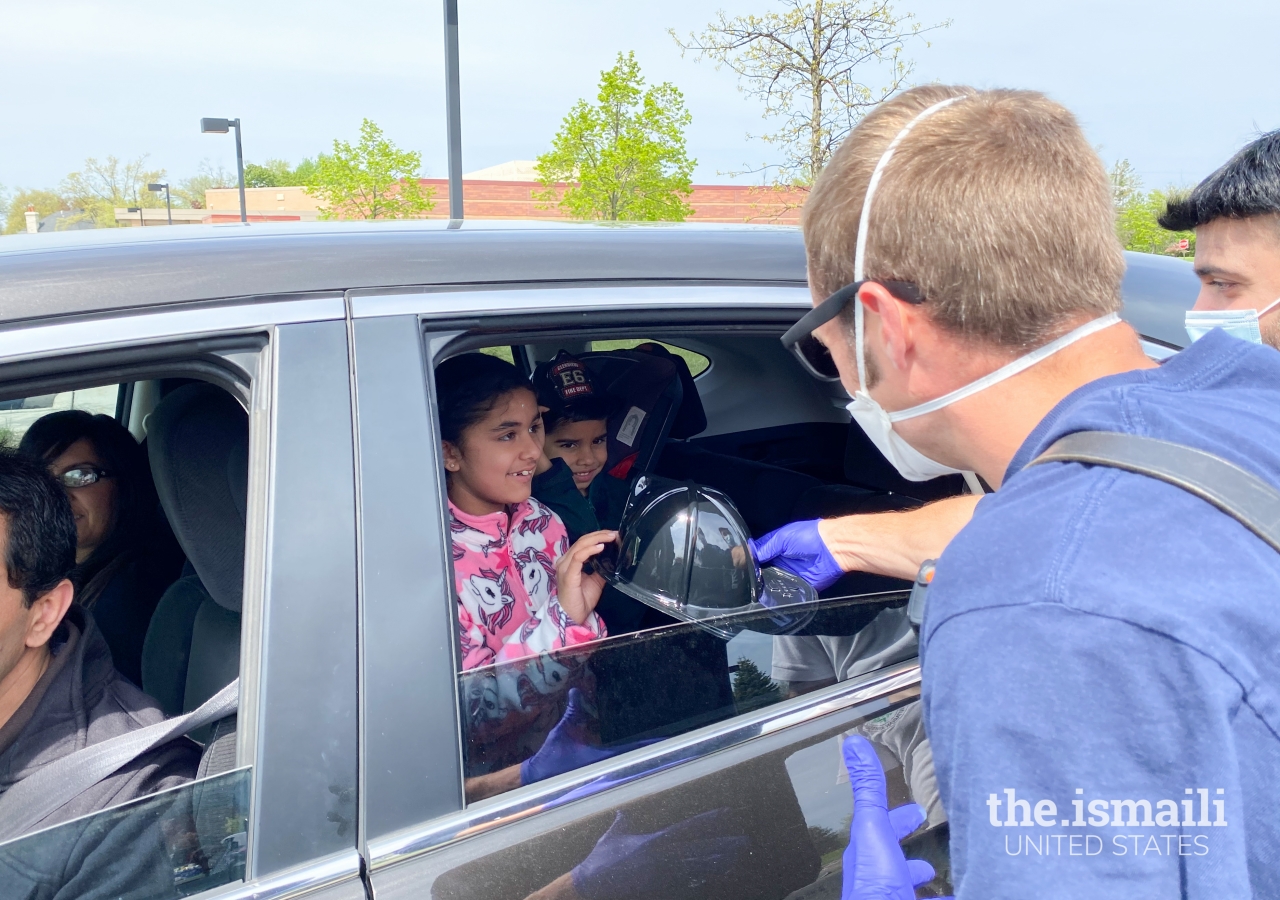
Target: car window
<point>172,844</point>
<point>17,415</point>
<point>696,361</point>
<point>155,626</point>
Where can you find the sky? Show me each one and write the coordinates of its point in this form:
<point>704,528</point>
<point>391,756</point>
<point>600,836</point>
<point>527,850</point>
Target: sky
<point>1173,88</point>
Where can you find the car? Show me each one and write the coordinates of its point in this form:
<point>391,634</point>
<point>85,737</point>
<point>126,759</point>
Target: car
<point>282,379</point>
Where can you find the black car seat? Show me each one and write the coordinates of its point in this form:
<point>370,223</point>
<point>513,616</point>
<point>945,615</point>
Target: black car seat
<point>648,392</point>
<point>198,445</point>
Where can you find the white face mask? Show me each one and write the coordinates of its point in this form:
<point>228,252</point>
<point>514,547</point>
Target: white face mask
<point>870,415</point>
<point>1239,323</point>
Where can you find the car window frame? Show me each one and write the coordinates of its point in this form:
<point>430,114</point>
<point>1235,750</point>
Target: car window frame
<point>237,346</point>
<point>444,322</point>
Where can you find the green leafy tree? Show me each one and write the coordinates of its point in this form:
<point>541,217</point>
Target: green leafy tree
<point>817,65</point>
<point>752,688</point>
<point>624,158</point>
<point>190,191</point>
<point>827,840</point>
<point>45,202</point>
<point>272,173</point>
<point>101,187</point>
<point>1137,212</point>
<point>372,180</point>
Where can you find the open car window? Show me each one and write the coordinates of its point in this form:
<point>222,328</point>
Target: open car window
<point>19,413</point>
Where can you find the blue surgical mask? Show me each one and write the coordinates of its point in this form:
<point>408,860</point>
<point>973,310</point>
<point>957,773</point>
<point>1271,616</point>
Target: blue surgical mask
<point>1239,323</point>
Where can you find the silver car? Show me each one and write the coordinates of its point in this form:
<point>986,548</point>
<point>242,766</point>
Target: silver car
<point>313,519</point>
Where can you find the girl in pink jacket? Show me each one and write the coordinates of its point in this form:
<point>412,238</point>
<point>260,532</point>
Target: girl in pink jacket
<point>521,589</point>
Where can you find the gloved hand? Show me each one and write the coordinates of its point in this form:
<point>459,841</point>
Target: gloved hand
<point>671,864</point>
<point>799,549</point>
<point>874,865</point>
<point>566,747</point>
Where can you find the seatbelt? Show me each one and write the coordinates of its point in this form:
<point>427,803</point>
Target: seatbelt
<point>1240,494</point>
<point>33,798</point>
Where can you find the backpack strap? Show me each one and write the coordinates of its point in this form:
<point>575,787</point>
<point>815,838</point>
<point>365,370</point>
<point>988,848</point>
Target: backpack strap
<point>1238,493</point>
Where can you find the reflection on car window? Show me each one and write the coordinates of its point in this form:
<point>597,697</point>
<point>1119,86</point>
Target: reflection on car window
<point>173,844</point>
<point>18,414</point>
<point>696,361</point>
<point>541,716</point>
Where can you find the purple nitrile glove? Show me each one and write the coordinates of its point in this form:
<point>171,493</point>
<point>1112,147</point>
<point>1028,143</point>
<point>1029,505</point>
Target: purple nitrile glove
<point>799,549</point>
<point>565,748</point>
<point>671,864</point>
<point>875,867</point>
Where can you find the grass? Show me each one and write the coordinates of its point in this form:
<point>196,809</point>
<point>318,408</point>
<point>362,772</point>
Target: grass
<point>696,361</point>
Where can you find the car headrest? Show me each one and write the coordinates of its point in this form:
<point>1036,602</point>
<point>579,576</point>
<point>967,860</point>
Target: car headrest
<point>198,444</point>
<point>691,418</point>
<point>648,393</point>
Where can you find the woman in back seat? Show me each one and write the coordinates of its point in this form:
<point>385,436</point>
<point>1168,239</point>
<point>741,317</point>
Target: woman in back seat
<point>124,557</point>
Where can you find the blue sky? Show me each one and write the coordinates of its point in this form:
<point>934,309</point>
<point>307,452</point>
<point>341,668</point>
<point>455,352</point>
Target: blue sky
<point>1175,88</point>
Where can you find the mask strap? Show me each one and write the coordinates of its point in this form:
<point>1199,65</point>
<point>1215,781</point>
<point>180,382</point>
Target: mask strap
<point>860,246</point>
<point>1269,307</point>
<point>1021,364</point>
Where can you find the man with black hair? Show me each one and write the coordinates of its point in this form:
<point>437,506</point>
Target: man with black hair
<point>59,691</point>
<point>1236,216</point>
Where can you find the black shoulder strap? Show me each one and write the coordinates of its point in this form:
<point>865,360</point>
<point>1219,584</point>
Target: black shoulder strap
<point>1240,494</point>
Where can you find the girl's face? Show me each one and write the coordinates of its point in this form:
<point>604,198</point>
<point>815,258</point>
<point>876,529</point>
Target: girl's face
<point>492,465</point>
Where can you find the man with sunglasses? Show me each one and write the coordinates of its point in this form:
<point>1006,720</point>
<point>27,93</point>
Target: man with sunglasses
<point>1098,649</point>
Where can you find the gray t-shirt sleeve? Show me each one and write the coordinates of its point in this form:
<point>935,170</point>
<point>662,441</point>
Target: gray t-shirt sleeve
<point>801,659</point>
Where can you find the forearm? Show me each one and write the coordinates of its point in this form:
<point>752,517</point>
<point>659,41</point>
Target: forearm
<point>560,889</point>
<point>896,543</point>
<point>481,787</point>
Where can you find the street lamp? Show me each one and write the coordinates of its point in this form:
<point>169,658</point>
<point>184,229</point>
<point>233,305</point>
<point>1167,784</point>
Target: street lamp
<point>157,188</point>
<point>221,126</point>
<point>138,210</point>
<point>453,107</point>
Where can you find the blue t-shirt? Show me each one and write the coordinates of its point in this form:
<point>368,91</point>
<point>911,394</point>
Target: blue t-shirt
<point>1101,656</point>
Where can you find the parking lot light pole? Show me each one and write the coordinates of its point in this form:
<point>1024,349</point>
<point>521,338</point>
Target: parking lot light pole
<point>222,126</point>
<point>453,107</point>
<point>138,209</point>
<point>168,206</point>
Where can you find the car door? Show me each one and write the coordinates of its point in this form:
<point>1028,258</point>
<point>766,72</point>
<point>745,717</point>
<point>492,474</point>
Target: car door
<point>718,782</point>
<point>280,820</point>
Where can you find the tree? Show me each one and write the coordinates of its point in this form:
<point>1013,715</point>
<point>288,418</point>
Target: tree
<point>1137,212</point>
<point>45,202</point>
<point>100,188</point>
<point>624,158</point>
<point>278,173</point>
<point>752,688</point>
<point>813,64</point>
<point>372,180</point>
<point>190,191</point>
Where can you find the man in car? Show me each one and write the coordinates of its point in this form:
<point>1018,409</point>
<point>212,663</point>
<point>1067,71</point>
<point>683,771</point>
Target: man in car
<point>1099,665</point>
<point>59,691</point>
<point>1236,216</point>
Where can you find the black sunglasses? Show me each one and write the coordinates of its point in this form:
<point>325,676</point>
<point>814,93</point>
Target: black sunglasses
<point>811,352</point>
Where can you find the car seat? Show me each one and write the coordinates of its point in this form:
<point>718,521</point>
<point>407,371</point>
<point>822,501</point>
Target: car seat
<point>198,445</point>
<point>647,389</point>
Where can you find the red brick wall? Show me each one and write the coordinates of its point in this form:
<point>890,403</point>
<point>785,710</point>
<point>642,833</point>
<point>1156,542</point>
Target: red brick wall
<point>710,202</point>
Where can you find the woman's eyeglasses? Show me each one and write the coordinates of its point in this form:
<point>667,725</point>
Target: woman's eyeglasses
<point>811,352</point>
<point>82,476</point>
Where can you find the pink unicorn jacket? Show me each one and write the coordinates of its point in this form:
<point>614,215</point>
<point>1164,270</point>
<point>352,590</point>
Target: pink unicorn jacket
<point>505,575</point>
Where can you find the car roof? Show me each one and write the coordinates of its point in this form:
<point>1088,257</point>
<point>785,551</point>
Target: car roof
<point>77,272</point>
<point>90,271</point>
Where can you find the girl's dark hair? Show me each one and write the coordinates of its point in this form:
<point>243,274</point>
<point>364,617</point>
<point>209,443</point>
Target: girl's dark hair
<point>469,386</point>
<point>588,409</point>
<point>124,459</point>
